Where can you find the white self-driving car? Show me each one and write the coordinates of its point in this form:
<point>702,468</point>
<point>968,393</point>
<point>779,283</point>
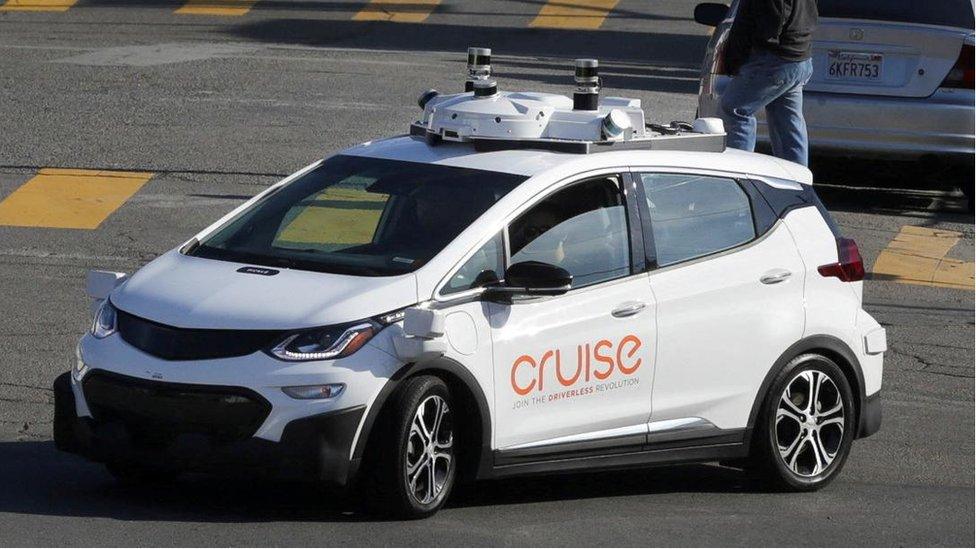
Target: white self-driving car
<point>527,283</point>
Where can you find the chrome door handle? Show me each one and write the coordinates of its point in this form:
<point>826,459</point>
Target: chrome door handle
<point>775,276</point>
<point>630,308</point>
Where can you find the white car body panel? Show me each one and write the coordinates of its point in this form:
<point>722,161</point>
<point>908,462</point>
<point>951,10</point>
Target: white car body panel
<point>720,329</point>
<point>190,292</point>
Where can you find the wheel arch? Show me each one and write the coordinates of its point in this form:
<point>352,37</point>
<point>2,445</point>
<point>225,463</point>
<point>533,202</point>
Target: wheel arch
<point>476,459</point>
<point>830,347</point>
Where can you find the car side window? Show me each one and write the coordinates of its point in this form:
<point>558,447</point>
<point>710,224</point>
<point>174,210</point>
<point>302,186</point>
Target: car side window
<point>582,229</point>
<point>486,266</point>
<point>695,215</point>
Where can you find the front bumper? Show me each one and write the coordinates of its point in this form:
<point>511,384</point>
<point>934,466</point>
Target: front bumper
<point>199,428</point>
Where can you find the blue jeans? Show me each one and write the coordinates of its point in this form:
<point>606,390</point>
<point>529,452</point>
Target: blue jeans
<point>766,80</point>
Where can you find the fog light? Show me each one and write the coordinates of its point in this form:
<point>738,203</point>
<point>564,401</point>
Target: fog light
<point>308,392</point>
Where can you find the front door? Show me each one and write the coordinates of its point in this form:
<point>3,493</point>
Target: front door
<point>577,367</point>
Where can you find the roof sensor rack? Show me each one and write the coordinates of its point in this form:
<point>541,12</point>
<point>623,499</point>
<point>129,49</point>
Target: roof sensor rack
<point>493,120</point>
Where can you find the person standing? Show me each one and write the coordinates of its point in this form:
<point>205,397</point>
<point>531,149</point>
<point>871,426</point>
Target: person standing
<point>768,55</point>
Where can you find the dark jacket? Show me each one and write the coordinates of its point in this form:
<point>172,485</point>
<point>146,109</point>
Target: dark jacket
<point>783,27</point>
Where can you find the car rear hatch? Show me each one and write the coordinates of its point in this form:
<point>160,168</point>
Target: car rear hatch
<point>896,48</point>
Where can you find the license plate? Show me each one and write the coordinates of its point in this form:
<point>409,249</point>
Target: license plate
<point>854,66</point>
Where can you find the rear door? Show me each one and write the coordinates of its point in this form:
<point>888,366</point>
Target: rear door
<point>729,291</point>
<point>898,48</point>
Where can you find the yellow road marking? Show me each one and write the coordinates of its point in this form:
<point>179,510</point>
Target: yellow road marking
<point>397,11</point>
<point>37,5</point>
<point>69,199</point>
<point>216,7</point>
<point>573,14</point>
<point>917,255</point>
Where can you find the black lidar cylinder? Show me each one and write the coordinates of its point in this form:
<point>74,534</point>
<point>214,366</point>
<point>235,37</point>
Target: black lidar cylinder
<point>479,66</point>
<point>587,94</point>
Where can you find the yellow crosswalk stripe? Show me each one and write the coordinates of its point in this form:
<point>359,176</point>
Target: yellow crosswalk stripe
<point>917,255</point>
<point>397,11</point>
<point>573,14</point>
<point>216,7</point>
<point>70,199</point>
<point>37,5</point>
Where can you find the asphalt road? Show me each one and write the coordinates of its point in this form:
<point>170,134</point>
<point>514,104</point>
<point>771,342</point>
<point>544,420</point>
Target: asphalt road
<point>219,107</point>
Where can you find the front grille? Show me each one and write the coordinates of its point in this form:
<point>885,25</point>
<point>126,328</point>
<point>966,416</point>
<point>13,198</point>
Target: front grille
<point>156,411</point>
<point>172,343</point>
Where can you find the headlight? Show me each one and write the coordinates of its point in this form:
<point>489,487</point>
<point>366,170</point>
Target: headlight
<point>326,343</point>
<point>105,321</point>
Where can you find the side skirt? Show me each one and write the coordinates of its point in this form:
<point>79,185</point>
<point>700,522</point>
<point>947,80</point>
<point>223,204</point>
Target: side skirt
<point>622,453</point>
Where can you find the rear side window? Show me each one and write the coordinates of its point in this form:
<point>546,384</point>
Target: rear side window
<point>695,215</point>
<point>582,229</point>
<point>951,13</point>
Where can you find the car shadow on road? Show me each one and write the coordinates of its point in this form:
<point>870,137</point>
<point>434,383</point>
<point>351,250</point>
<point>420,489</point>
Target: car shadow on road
<point>37,479</point>
<point>928,191</point>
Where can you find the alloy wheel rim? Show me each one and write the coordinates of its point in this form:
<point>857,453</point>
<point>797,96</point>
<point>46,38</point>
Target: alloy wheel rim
<point>430,450</point>
<point>809,426</point>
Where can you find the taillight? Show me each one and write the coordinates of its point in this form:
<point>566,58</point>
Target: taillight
<point>961,75</point>
<point>849,266</point>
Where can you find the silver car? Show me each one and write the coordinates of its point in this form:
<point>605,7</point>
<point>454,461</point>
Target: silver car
<point>891,78</point>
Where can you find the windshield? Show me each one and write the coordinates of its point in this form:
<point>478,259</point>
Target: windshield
<point>950,13</point>
<point>360,216</point>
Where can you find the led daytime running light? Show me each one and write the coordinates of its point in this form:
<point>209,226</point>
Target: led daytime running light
<point>349,342</point>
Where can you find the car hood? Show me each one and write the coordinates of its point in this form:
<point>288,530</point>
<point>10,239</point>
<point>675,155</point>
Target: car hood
<point>193,292</point>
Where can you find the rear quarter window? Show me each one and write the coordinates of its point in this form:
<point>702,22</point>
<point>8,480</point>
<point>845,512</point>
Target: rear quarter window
<point>782,200</point>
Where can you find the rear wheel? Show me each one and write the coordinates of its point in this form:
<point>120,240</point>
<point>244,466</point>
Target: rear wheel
<point>413,465</point>
<point>807,425</point>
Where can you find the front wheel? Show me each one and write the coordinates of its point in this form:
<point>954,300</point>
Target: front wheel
<point>807,425</point>
<point>414,463</point>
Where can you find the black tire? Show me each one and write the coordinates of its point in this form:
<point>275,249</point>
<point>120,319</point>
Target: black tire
<point>810,465</point>
<point>397,445</point>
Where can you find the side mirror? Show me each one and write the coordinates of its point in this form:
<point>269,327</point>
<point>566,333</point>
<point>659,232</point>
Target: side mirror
<point>532,278</point>
<point>710,13</point>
